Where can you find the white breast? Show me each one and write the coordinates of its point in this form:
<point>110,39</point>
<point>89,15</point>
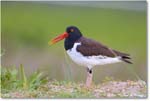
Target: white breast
<point>90,61</point>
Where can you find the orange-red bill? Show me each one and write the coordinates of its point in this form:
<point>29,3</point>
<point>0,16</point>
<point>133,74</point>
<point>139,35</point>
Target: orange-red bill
<point>58,38</point>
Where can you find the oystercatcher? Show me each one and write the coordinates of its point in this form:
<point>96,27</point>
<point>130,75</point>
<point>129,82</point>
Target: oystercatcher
<point>87,52</point>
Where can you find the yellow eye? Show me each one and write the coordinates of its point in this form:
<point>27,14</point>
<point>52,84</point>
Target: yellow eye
<point>72,30</point>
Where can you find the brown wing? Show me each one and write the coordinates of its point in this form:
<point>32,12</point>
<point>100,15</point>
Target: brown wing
<point>90,47</point>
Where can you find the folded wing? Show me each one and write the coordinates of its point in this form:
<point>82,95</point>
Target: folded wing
<point>90,47</point>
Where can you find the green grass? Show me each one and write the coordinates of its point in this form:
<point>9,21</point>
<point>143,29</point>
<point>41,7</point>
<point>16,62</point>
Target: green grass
<point>14,79</point>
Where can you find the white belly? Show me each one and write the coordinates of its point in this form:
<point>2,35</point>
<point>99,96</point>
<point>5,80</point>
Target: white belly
<point>90,61</point>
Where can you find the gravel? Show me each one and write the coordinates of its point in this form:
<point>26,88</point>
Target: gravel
<point>109,89</point>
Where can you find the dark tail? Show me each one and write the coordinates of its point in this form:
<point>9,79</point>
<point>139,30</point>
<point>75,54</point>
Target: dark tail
<point>126,59</point>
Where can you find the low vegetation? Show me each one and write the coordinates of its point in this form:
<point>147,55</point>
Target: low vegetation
<point>13,79</point>
<point>15,84</point>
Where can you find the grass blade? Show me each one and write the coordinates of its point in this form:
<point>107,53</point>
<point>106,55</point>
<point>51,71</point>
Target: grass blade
<point>23,77</point>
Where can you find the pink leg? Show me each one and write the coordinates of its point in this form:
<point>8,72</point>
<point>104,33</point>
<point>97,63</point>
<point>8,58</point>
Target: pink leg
<point>89,78</point>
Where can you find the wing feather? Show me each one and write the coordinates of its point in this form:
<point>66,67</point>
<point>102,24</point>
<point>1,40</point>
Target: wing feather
<point>90,47</point>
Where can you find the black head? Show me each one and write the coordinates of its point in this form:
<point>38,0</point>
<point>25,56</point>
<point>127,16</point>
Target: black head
<point>73,35</point>
<point>73,31</point>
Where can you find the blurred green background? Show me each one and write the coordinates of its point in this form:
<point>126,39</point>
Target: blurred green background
<point>26,28</point>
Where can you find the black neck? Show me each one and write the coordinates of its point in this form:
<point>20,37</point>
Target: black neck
<point>69,42</point>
